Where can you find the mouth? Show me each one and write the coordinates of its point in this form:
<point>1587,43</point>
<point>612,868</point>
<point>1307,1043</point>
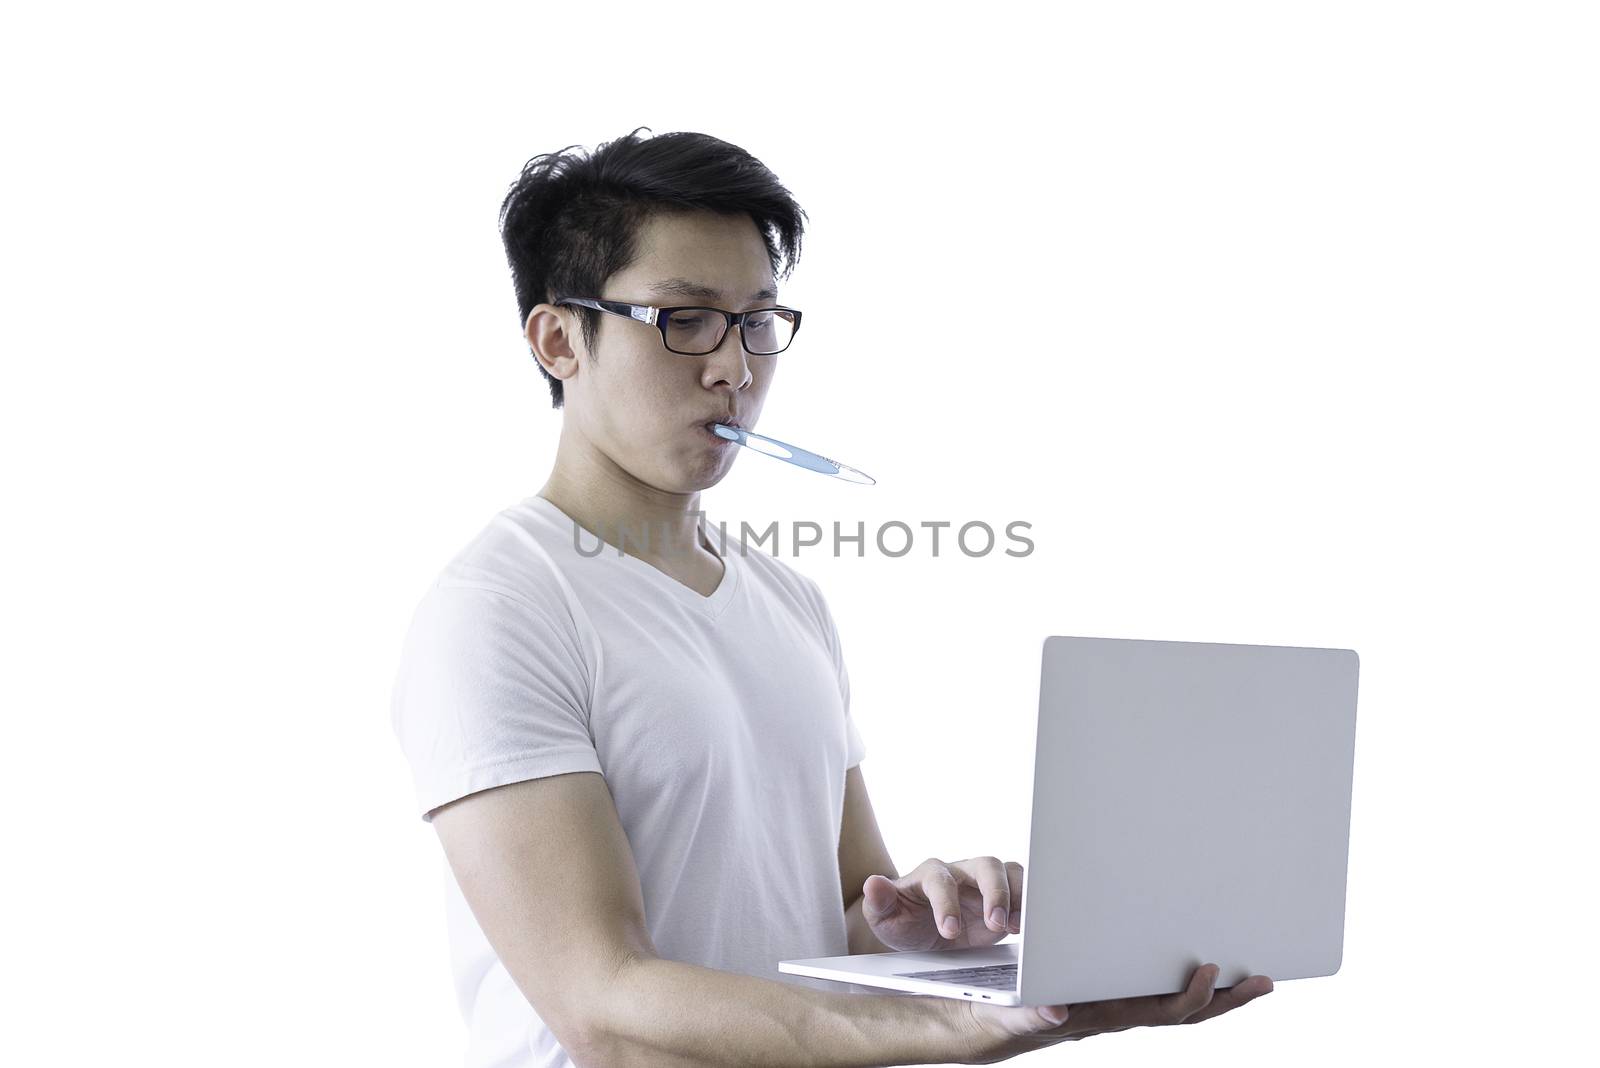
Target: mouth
<point>705,428</point>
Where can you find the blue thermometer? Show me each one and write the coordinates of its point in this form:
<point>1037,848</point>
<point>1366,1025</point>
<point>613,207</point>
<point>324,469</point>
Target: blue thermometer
<point>795,455</point>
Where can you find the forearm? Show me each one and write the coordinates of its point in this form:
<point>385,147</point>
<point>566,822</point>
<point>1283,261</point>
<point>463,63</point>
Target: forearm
<point>861,939</point>
<point>666,1013</point>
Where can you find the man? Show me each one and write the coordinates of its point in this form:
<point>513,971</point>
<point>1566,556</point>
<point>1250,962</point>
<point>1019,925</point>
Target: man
<point>642,765</point>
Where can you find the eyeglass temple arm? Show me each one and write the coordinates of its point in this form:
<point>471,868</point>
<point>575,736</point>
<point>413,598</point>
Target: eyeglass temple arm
<point>642,312</point>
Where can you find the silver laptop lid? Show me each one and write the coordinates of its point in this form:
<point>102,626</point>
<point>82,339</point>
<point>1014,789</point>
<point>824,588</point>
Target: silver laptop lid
<point>1191,804</point>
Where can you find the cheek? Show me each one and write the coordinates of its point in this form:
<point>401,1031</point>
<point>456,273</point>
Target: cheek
<point>645,390</point>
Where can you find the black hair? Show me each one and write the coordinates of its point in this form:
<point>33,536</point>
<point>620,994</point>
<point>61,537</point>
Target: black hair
<point>571,221</point>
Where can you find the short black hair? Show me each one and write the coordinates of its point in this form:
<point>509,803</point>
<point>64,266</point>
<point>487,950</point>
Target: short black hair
<point>572,219</point>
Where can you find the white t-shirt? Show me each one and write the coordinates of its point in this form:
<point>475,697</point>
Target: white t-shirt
<point>721,724</point>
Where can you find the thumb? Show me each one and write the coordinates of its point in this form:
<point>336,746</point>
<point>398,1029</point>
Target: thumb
<point>879,898</point>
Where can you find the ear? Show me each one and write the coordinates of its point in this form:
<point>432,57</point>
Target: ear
<point>554,340</point>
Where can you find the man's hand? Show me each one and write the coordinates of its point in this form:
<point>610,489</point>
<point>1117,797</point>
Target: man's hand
<point>974,902</point>
<point>1001,1032</point>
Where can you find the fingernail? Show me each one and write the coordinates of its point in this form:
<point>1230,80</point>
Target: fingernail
<point>952,926</point>
<point>998,917</point>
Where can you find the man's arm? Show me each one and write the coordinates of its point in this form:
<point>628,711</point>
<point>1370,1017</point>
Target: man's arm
<point>550,877</point>
<point>861,853</point>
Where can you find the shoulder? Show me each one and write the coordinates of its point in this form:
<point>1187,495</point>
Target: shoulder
<point>516,555</point>
<point>504,589</point>
<point>499,617</point>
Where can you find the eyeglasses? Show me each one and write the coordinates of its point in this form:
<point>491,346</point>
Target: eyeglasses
<point>698,331</point>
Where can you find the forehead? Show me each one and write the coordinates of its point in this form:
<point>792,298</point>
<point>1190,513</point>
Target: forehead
<point>701,256</point>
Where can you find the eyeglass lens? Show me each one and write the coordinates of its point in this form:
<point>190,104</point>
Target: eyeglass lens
<point>697,331</point>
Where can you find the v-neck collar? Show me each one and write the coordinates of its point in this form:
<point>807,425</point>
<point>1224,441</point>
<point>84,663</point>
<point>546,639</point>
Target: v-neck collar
<point>711,606</point>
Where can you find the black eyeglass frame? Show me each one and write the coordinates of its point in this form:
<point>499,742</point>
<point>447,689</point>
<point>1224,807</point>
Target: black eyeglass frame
<point>658,317</point>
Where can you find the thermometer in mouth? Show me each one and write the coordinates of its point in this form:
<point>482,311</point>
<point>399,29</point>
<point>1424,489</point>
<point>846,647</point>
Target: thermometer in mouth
<point>795,455</point>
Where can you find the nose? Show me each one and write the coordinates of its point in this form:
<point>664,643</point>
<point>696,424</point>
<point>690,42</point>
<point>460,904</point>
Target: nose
<point>727,362</point>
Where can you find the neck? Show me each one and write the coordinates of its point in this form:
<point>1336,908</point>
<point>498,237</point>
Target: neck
<point>614,506</point>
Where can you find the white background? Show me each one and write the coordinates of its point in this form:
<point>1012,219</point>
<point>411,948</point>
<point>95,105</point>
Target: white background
<point>1277,323</point>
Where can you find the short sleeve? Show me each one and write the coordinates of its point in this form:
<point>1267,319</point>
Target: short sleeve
<point>855,747</point>
<point>492,689</point>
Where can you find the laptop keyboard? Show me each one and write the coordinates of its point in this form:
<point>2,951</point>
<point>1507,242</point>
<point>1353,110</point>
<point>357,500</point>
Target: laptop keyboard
<point>991,976</point>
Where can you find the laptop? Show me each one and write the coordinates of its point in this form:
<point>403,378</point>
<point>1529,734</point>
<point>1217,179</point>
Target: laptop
<point>1191,803</point>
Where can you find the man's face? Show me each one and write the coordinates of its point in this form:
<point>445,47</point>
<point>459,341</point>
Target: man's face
<point>646,407</point>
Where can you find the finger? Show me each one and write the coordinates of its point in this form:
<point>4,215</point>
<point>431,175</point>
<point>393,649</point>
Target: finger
<point>942,889</point>
<point>1231,997</point>
<point>1176,1008</point>
<point>1014,877</point>
<point>989,876</point>
<point>879,898</point>
<point>1153,1010</point>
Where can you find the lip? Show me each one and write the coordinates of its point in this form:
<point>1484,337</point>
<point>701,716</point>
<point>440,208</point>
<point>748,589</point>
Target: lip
<point>725,421</point>
<point>705,428</point>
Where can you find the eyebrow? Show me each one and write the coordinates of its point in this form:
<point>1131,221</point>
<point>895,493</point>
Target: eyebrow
<point>684,288</point>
